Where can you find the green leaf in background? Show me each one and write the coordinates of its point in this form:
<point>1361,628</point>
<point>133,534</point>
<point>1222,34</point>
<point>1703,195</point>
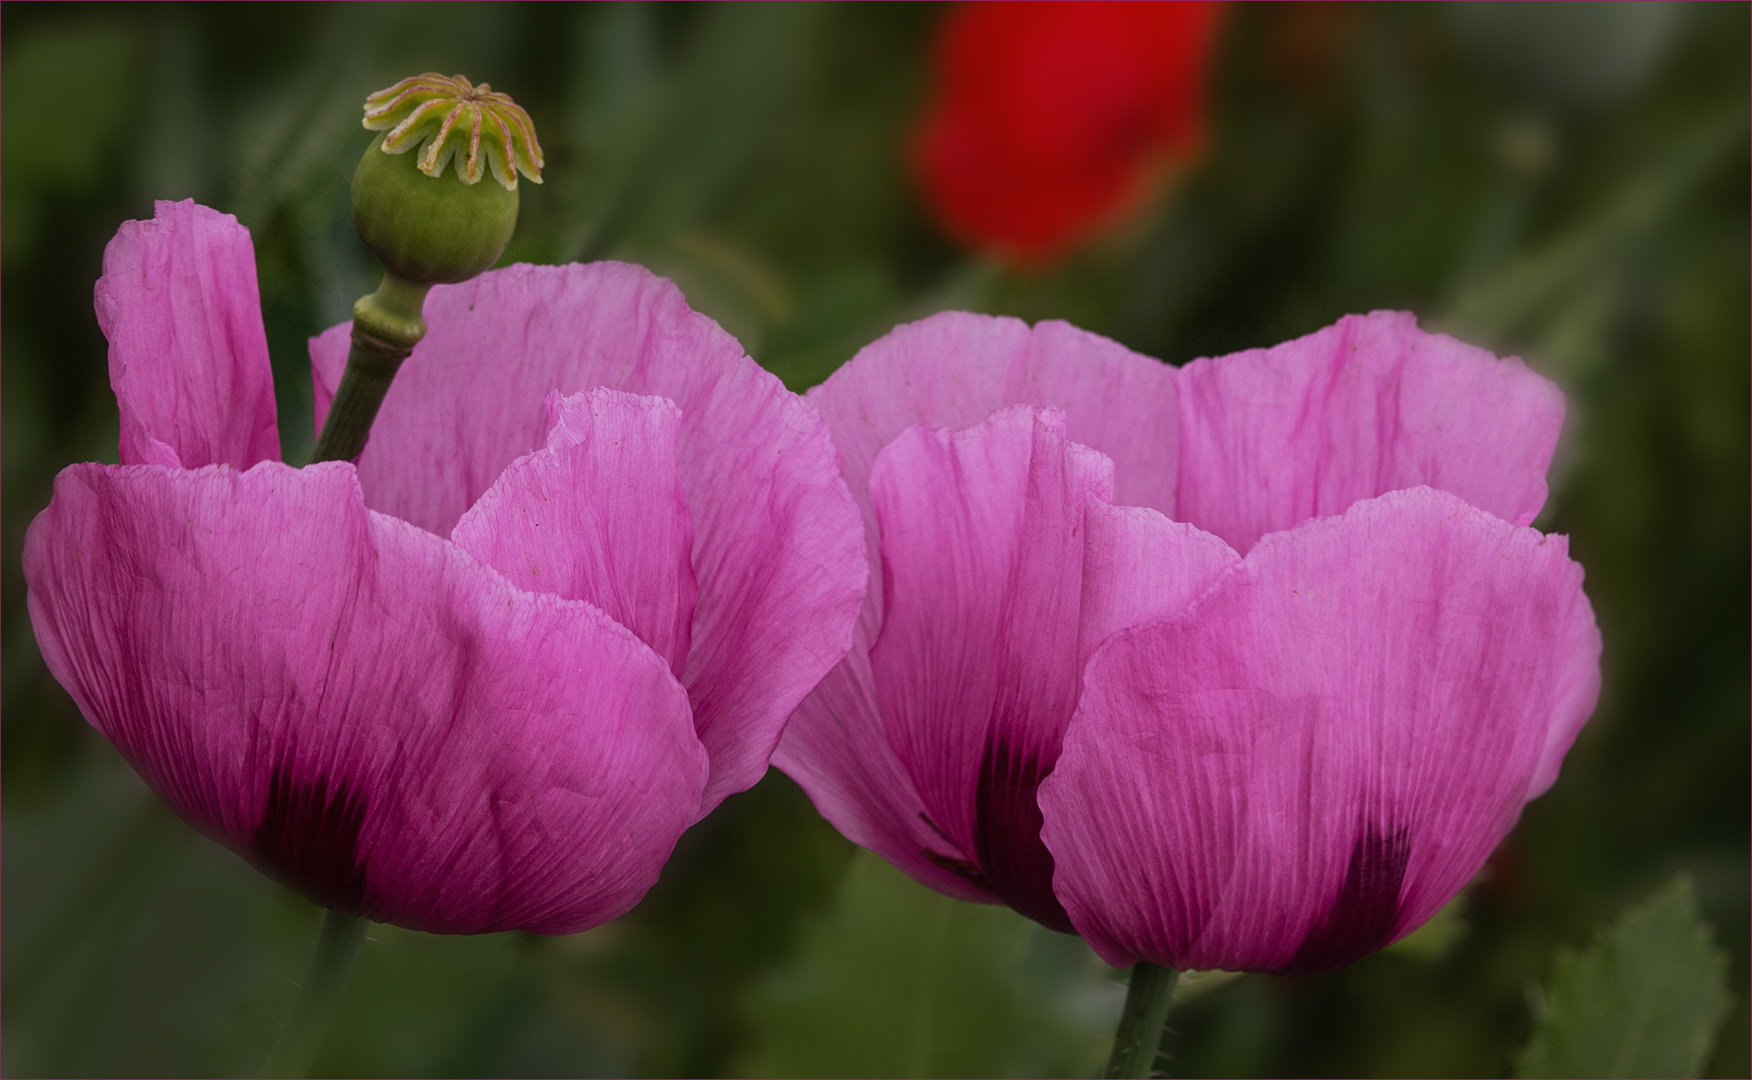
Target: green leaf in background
<point>899,981</point>
<point>1645,999</point>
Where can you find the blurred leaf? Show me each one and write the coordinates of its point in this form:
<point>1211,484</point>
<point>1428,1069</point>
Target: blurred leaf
<point>619,106</point>
<point>1644,999</point>
<point>900,981</point>
<point>432,1005</point>
<point>175,151</point>
<point>838,315</point>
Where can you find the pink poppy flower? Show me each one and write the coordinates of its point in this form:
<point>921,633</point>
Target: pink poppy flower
<point>1321,661</point>
<point>591,559</point>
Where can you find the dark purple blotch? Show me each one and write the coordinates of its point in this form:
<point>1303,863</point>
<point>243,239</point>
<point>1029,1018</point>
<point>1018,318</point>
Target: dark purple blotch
<point>1007,840</point>
<point>1363,914</point>
<point>308,838</point>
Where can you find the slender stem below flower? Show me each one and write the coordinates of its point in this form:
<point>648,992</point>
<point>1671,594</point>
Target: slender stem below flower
<point>336,949</point>
<point>1140,1025</point>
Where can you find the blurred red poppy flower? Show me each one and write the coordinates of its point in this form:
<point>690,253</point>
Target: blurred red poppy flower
<point>1048,118</point>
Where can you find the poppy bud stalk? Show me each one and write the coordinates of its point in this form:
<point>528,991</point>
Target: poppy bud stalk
<point>425,228</point>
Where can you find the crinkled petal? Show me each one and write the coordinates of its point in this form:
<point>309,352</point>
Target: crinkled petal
<point>359,707</point>
<point>954,369</point>
<point>1136,564</point>
<point>1273,437</point>
<point>976,671</point>
<point>1326,748</point>
<point>1139,566</point>
<point>597,515</point>
<point>837,751</point>
<point>776,548</point>
<point>188,356</point>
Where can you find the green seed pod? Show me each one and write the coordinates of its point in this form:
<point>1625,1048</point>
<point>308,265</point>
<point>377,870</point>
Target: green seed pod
<point>427,228</point>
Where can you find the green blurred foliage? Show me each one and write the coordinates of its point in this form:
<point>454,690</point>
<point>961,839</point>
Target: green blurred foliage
<point>1643,1000</point>
<point>902,981</point>
<point>1569,185</point>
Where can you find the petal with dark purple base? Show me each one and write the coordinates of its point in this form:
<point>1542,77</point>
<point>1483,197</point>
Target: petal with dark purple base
<point>837,751</point>
<point>1365,912</point>
<point>1326,747</point>
<point>308,837</point>
<point>359,707</point>
<point>1004,567</point>
<point>977,672</point>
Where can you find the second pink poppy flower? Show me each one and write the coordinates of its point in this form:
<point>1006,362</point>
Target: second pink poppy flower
<point>1247,664</point>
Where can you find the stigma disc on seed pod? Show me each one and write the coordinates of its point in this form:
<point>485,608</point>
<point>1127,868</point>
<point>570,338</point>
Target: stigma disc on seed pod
<point>426,227</point>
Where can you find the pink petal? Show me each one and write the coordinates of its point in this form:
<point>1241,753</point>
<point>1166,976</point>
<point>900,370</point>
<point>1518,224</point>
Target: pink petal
<point>188,356</point>
<point>776,552</point>
<point>1322,752</point>
<point>358,706</point>
<point>1273,437</point>
<point>954,369</point>
<point>1015,617</point>
<point>1138,566</point>
<point>1577,693</point>
<point>597,515</point>
<point>976,671</point>
<point>836,749</point>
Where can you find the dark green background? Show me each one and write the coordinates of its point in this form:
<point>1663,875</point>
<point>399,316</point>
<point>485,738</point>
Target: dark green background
<point>1569,184</point>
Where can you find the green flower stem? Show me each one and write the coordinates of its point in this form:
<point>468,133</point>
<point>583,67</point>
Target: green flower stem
<point>1140,1025</point>
<point>336,950</point>
<point>386,326</point>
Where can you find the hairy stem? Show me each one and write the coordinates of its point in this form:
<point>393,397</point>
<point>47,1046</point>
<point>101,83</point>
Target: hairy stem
<point>336,950</point>
<point>1140,1025</point>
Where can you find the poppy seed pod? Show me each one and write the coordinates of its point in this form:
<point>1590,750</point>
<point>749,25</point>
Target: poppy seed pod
<point>425,229</point>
